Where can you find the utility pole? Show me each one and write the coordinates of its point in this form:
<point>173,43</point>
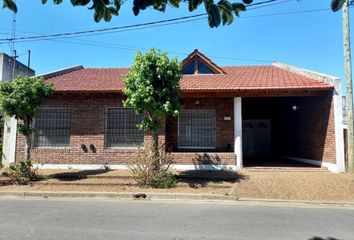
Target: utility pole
<point>12,47</point>
<point>349,86</point>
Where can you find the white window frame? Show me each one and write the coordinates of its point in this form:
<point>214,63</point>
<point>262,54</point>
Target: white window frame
<point>193,147</point>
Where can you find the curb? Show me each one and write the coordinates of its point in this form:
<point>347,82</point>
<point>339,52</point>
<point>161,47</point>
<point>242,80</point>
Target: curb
<point>207,198</point>
<point>119,195</point>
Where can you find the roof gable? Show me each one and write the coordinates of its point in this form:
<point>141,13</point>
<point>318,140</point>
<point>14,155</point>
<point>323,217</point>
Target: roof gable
<point>210,78</point>
<point>198,63</point>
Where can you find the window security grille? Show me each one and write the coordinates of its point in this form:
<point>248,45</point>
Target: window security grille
<point>197,129</point>
<point>121,130</point>
<point>53,128</point>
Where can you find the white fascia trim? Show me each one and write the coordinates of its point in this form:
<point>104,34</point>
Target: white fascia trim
<point>60,71</point>
<point>330,166</point>
<point>331,80</point>
<point>204,167</point>
<point>126,167</point>
<point>80,166</point>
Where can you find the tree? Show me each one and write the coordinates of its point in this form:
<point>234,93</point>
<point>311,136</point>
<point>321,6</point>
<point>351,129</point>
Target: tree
<point>21,98</point>
<point>217,12</point>
<point>338,4</point>
<point>104,9</point>
<point>152,88</point>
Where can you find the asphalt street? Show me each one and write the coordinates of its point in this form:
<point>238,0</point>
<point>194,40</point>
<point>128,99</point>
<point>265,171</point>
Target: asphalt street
<point>31,219</point>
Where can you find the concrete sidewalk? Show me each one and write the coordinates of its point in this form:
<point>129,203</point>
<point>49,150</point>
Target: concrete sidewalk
<point>196,198</point>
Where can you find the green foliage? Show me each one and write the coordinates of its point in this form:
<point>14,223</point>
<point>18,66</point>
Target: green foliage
<point>152,87</point>
<point>105,9</point>
<point>338,4</point>
<point>22,173</point>
<point>164,180</point>
<point>21,98</point>
<point>149,171</point>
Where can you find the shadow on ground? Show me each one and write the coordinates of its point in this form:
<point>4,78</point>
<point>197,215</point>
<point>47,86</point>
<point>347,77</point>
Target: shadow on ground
<point>210,169</point>
<point>320,238</point>
<point>74,176</point>
<point>197,178</point>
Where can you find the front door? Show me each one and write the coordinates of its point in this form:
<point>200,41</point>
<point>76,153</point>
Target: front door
<point>256,137</point>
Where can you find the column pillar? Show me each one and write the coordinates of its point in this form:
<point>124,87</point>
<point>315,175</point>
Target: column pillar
<point>238,132</point>
<point>9,140</point>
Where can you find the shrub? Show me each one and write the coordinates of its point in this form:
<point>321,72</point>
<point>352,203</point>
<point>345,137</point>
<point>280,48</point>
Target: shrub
<point>22,172</point>
<point>149,172</point>
<point>164,180</point>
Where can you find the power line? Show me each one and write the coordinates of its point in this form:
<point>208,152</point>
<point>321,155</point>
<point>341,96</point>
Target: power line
<point>288,13</point>
<point>63,36</point>
<point>173,23</point>
<point>126,27</point>
<point>134,48</point>
<point>104,29</point>
<point>271,4</point>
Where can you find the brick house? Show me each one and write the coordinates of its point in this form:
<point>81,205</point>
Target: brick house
<point>232,115</point>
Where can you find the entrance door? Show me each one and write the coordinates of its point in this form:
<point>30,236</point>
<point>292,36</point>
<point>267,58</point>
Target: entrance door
<point>256,137</point>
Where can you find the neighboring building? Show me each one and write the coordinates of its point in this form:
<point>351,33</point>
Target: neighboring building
<point>231,115</point>
<point>10,125</point>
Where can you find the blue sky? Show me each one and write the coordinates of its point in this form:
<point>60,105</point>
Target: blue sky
<point>309,40</point>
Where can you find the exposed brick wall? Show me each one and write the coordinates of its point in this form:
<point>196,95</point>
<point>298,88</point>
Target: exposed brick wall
<point>307,132</point>
<point>314,131</point>
<point>88,123</point>
<point>224,128</point>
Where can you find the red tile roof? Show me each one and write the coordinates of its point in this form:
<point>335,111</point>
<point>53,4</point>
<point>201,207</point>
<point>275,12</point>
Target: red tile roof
<point>90,80</point>
<point>236,78</point>
<point>251,78</point>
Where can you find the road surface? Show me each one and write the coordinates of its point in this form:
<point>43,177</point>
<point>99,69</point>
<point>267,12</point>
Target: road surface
<point>94,220</point>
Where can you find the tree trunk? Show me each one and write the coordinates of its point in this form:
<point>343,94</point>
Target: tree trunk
<point>28,148</point>
<point>27,125</point>
<point>155,149</point>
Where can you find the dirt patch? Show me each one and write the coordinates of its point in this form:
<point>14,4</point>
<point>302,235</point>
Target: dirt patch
<point>295,185</point>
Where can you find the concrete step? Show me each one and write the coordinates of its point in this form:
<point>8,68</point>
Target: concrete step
<point>285,169</point>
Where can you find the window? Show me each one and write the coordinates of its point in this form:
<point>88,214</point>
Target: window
<point>121,130</point>
<point>53,128</point>
<point>202,68</point>
<point>197,129</point>
<point>189,68</point>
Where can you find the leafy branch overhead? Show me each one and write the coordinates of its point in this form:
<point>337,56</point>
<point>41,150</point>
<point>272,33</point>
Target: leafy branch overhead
<point>220,12</point>
<point>338,4</point>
